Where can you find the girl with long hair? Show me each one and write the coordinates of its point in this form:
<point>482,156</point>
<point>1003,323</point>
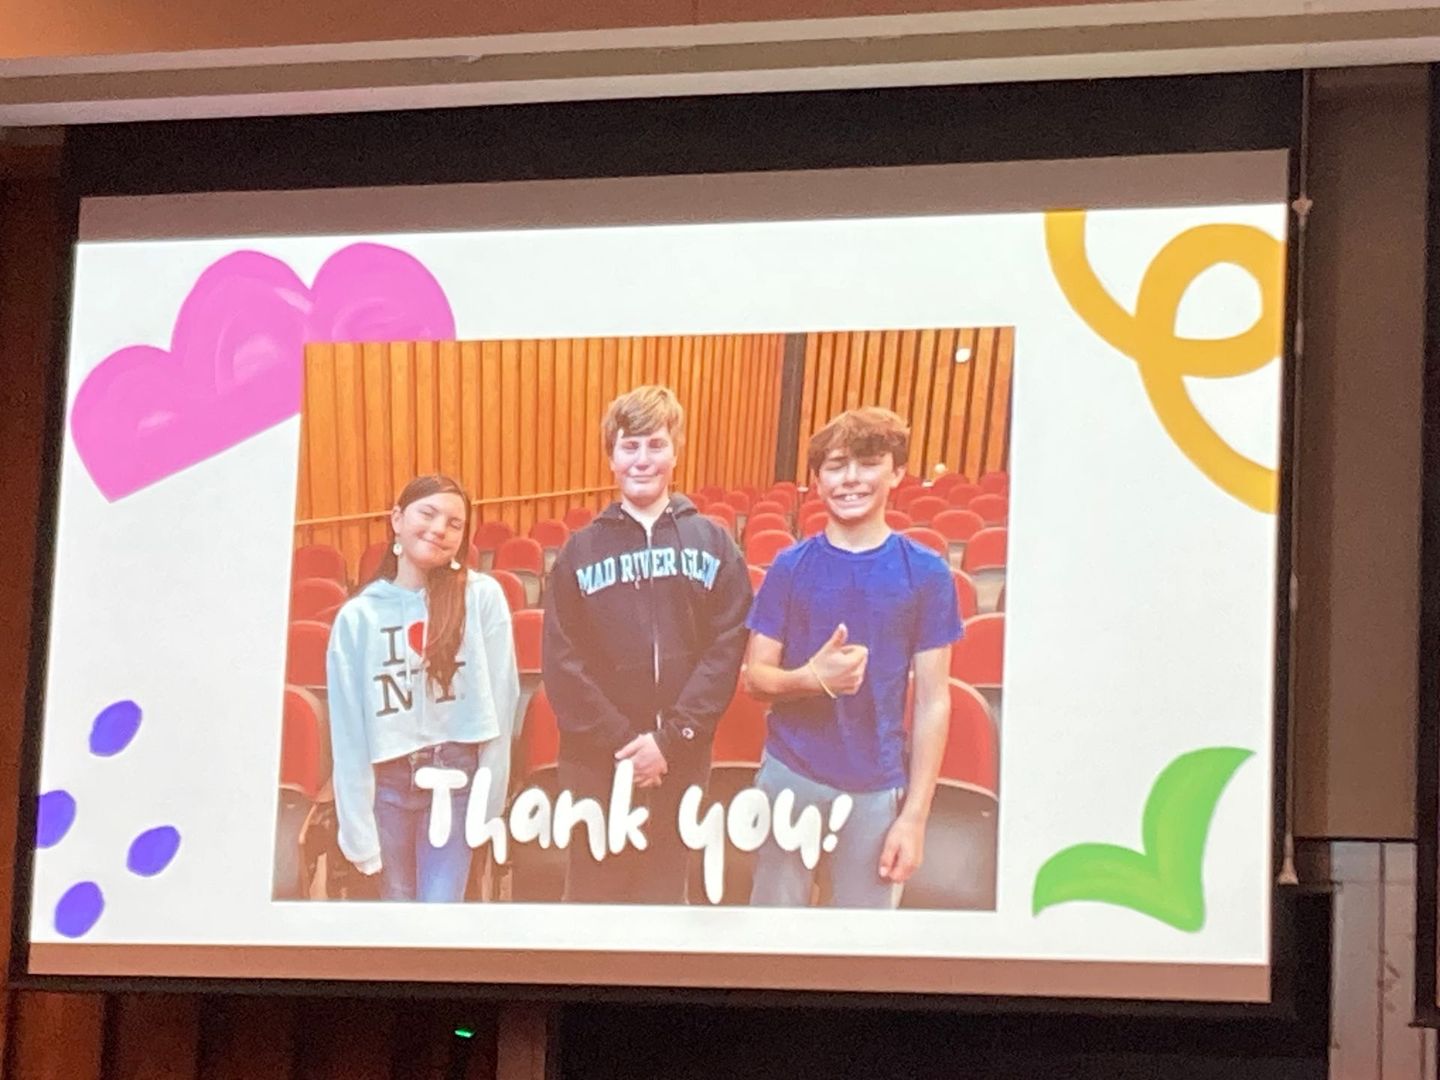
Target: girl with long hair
<point>422,682</point>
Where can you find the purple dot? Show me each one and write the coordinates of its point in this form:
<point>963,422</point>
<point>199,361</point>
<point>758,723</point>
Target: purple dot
<point>152,850</point>
<point>114,728</point>
<point>53,818</point>
<point>79,909</point>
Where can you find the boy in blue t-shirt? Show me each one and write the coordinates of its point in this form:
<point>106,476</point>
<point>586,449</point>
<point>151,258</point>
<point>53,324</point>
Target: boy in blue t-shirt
<point>838,625</point>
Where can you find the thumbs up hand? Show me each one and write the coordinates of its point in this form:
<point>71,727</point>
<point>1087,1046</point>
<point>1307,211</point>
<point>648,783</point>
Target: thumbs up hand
<point>838,665</point>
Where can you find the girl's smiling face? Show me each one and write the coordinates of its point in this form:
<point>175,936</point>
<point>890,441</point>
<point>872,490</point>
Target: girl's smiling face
<point>429,530</point>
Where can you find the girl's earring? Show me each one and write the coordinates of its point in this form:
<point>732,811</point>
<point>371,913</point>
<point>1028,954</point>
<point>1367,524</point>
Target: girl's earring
<point>395,547</point>
<point>454,564</point>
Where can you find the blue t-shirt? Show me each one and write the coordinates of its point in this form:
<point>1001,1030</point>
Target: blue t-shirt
<point>896,599</point>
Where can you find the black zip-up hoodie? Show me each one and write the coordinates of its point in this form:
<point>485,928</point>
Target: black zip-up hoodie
<point>645,633</point>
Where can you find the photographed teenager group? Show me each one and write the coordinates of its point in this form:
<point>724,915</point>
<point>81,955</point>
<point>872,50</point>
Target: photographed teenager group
<point>650,626</point>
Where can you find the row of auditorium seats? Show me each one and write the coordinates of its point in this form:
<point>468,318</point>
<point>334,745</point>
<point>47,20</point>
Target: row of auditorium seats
<point>944,506</point>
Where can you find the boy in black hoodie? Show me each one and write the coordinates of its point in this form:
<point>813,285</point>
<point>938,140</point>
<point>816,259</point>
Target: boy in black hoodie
<point>644,636</point>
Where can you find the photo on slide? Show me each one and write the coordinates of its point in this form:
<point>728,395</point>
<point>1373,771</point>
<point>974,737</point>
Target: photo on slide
<point>713,619</point>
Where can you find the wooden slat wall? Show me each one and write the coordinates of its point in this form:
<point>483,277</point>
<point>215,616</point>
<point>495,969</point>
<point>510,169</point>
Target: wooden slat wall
<point>519,420</point>
<point>959,413</point>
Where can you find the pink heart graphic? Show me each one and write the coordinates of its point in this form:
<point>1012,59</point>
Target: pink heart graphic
<point>416,634</point>
<point>236,355</point>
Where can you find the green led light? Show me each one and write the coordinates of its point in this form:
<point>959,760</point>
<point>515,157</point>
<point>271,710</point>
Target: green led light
<point>464,1033</point>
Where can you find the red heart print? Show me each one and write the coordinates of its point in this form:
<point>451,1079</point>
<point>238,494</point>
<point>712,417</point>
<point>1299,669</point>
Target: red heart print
<point>416,634</point>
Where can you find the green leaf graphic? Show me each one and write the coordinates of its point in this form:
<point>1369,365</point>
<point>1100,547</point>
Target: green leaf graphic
<point>1165,880</point>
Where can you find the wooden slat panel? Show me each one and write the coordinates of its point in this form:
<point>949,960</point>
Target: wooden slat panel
<point>960,403</point>
<point>471,407</point>
<point>732,387</point>
<point>349,432</point>
<point>564,377</point>
<point>491,435</point>
<point>595,470</point>
<point>997,438</point>
<point>870,387</point>
<point>544,389</point>
<point>303,509</point>
<point>750,439</point>
<point>56,1036</point>
<point>378,442</point>
<point>984,364</point>
<point>682,365</point>
<point>889,365</point>
<point>905,372</point>
<point>772,409</point>
<point>526,431</point>
<point>402,421</point>
<point>855,374</point>
<point>939,415</point>
<point>839,376</point>
<point>427,427</point>
<point>810,389</point>
<point>920,411</point>
<point>625,376</point>
<point>511,449</point>
<point>153,1037</point>
<point>323,450</point>
<point>447,377</point>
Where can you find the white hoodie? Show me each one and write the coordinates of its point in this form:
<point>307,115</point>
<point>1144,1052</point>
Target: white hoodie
<point>382,706</point>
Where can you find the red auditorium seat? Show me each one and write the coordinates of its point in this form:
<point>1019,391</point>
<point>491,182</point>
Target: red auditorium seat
<point>712,492</point>
<point>814,523</point>
<point>923,508</point>
<point>539,736</point>
<point>768,505</point>
<point>740,501</point>
<point>929,538</point>
<point>740,734</point>
<point>513,588</point>
<point>313,597</point>
<point>758,523</point>
<point>979,657</point>
<point>959,495</point>
<point>957,526</point>
<point>942,484</point>
<point>898,520</point>
<point>993,509</point>
<point>370,562</point>
<point>524,558</point>
<point>488,537</point>
<point>551,536</point>
<point>305,653</point>
<point>304,744</point>
<point>959,870</point>
<point>723,515</point>
<point>757,577</point>
<point>902,497</point>
<point>577,517</point>
<point>995,483</point>
<point>985,563</point>
<point>965,594</point>
<point>318,561</point>
<point>528,629</point>
<point>762,547</point>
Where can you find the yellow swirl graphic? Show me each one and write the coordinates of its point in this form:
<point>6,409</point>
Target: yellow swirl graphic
<point>1148,336</point>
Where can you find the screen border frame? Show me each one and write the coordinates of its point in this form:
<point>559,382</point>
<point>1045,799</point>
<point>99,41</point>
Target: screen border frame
<point>1427,751</point>
<point>793,131</point>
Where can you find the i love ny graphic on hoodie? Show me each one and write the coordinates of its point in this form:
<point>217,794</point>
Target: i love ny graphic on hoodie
<point>382,705</point>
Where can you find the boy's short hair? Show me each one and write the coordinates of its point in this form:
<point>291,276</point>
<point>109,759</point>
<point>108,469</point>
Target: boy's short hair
<point>641,411</point>
<point>868,432</point>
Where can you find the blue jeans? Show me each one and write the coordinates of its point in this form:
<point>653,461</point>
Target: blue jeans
<point>781,879</point>
<point>411,868</point>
